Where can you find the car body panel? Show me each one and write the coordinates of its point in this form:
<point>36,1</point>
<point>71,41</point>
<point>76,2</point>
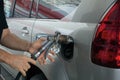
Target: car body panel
<point>16,26</point>
<point>82,27</point>
<point>76,30</point>
<point>91,11</point>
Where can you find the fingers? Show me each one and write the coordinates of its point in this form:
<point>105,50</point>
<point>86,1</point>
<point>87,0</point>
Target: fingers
<point>21,63</point>
<point>51,58</point>
<point>42,39</point>
<point>52,52</point>
<point>23,72</point>
<point>26,66</point>
<point>24,69</point>
<point>31,61</point>
<point>42,60</point>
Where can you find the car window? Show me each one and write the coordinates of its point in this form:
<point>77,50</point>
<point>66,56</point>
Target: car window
<point>7,8</point>
<point>43,9</point>
<point>57,8</point>
<point>19,8</point>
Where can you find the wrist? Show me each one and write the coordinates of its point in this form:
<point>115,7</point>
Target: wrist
<point>30,48</point>
<point>6,57</point>
<point>9,59</point>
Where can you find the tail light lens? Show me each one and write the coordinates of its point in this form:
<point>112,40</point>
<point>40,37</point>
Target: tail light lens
<point>106,44</point>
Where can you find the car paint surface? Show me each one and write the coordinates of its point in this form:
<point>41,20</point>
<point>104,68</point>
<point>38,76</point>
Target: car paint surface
<point>82,28</point>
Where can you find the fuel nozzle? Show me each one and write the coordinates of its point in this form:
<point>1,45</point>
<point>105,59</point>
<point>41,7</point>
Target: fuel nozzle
<point>62,39</point>
<point>65,39</point>
<point>44,47</point>
<point>53,43</point>
<point>57,43</point>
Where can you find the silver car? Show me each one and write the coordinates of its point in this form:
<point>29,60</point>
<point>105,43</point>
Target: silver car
<point>94,55</point>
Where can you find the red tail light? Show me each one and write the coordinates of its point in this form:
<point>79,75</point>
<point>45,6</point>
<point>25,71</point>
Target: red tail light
<point>106,45</point>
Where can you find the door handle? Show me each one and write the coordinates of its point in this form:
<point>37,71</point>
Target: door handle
<point>25,31</point>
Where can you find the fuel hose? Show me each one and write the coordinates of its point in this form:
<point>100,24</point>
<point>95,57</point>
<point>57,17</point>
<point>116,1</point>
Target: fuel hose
<point>45,46</point>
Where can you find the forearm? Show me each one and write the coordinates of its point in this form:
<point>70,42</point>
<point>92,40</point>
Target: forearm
<point>12,41</point>
<point>5,56</point>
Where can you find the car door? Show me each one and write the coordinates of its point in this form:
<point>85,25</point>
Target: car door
<point>20,24</point>
<point>21,16</point>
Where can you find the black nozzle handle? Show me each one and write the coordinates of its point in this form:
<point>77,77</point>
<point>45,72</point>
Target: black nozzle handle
<point>44,48</point>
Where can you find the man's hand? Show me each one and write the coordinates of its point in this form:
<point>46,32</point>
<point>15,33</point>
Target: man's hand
<point>42,60</point>
<point>35,46</point>
<point>20,63</point>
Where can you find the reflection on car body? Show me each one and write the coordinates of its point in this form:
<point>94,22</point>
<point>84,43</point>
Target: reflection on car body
<point>43,8</point>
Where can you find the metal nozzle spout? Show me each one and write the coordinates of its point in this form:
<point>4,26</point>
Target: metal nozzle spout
<point>65,39</point>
